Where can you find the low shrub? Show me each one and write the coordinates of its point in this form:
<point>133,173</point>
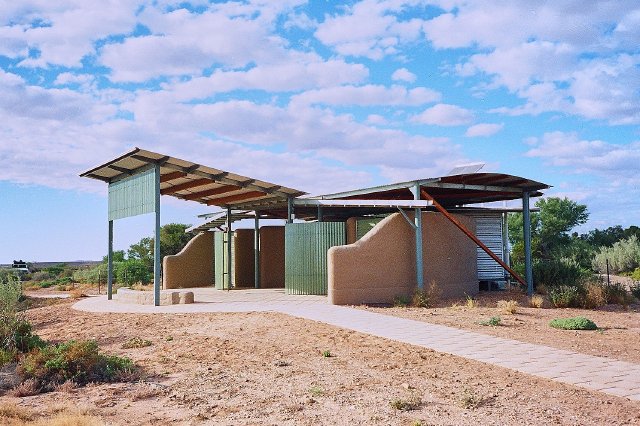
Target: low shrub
<point>635,291</point>
<point>135,343</point>
<point>536,301</point>
<point>401,301</point>
<point>576,323</point>
<point>508,306</point>
<point>616,293</point>
<point>412,403</point>
<point>558,272</point>
<point>77,361</point>
<point>595,296</point>
<point>566,296</point>
<point>493,322</point>
<point>635,275</point>
<point>471,303</point>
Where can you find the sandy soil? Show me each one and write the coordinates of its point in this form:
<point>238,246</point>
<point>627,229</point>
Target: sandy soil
<point>246,369</point>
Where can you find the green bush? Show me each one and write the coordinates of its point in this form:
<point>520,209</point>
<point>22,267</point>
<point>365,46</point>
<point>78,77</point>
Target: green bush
<point>77,361</point>
<point>565,296</point>
<point>576,323</point>
<point>16,334</point>
<point>623,256</point>
<point>131,271</point>
<point>635,275</point>
<point>635,291</point>
<point>558,272</point>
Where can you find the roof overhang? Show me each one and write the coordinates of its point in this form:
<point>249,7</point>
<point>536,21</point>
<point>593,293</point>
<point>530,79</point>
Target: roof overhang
<point>456,190</point>
<point>191,181</point>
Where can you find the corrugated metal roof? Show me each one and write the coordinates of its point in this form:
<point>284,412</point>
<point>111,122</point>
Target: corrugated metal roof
<point>456,190</point>
<point>191,181</point>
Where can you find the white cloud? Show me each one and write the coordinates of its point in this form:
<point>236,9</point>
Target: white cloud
<point>62,32</point>
<point>566,57</point>
<point>368,95</point>
<point>370,28</point>
<point>562,149</point>
<point>445,115</point>
<point>403,74</point>
<point>483,129</point>
<point>299,71</point>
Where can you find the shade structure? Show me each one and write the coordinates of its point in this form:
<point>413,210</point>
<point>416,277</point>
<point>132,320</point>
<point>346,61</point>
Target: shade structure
<point>193,182</point>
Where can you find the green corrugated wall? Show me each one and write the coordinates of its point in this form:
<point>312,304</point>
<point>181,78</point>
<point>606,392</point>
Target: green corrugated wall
<point>220,261</point>
<point>132,196</point>
<point>306,246</point>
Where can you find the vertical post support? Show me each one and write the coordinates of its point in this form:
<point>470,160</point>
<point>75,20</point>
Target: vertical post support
<point>418,223</point>
<point>320,214</point>
<point>256,251</point>
<point>290,210</point>
<point>157,260</point>
<point>526,224</point>
<point>505,244</point>
<point>110,263</point>
<point>229,263</point>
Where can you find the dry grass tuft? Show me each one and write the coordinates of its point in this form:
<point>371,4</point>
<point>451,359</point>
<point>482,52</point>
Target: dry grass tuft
<point>76,294</point>
<point>27,388</point>
<point>145,391</point>
<point>508,306</point>
<point>595,296</point>
<point>135,343</point>
<point>66,387</point>
<point>11,413</point>
<point>471,302</point>
<point>536,301</point>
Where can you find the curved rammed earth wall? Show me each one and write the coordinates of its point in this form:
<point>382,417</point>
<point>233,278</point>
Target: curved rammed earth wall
<point>381,265</point>
<point>192,267</point>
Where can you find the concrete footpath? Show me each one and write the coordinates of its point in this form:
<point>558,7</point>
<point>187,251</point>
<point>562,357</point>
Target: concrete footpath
<point>606,375</point>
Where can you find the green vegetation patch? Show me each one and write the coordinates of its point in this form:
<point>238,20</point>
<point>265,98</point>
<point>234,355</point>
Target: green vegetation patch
<point>78,361</point>
<point>575,323</point>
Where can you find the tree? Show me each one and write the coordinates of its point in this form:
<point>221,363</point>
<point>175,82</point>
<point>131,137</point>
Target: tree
<point>550,229</point>
<point>173,238</point>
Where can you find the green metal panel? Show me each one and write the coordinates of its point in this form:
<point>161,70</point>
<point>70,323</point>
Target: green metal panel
<point>221,277</point>
<point>365,225</point>
<point>306,246</point>
<point>133,196</point>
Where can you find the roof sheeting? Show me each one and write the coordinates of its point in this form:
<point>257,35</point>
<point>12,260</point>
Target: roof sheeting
<point>191,181</point>
<point>456,190</point>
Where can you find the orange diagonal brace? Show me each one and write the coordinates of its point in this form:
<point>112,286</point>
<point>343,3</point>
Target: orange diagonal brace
<point>469,234</point>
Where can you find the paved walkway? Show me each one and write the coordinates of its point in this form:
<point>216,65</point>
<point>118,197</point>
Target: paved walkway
<point>606,375</point>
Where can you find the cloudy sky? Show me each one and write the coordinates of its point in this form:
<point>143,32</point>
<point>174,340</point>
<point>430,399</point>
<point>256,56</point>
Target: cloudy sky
<point>319,95</point>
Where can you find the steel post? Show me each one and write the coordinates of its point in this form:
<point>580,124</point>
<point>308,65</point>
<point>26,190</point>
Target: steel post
<point>418,238</point>
<point>229,263</point>
<point>526,225</point>
<point>256,251</point>
<point>110,263</point>
<point>289,210</point>
<point>157,261</point>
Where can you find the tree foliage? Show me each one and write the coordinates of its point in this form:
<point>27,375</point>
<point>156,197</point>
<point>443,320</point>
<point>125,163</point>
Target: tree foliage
<point>173,238</point>
<point>550,231</point>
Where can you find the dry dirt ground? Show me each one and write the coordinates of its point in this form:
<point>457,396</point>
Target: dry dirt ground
<point>264,368</point>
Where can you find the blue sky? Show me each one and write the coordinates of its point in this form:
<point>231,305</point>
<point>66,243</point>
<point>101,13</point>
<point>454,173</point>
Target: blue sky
<point>320,96</point>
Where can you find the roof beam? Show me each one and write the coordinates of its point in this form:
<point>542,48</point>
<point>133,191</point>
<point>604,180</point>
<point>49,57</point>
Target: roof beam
<point>470,187</point>
<point>211,192</point>
<point>171,176</point>
<point>219,178</point>
<point>238,197</point>
<point>187,185</point>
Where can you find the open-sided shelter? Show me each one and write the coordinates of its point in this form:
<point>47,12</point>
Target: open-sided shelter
<point>358,246</point>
